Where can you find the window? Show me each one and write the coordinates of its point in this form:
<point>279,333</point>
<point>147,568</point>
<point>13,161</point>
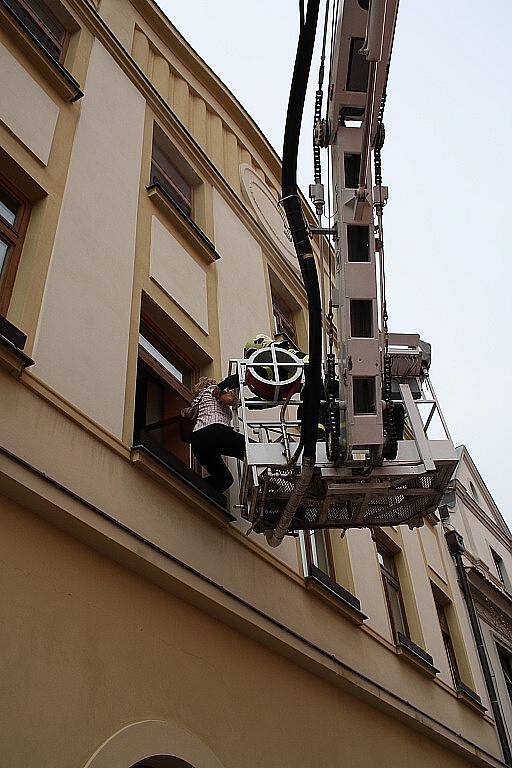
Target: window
<point>352,165</point>
<point>168,171</point>
<point>364,395</point>
<point>164,382</point>
<point>447,639</point>
<point>319,551</point>
<point>500,568</point>
<point>358,67</point>
<point>14,212</point>
<point>284,321</point>
<point>358,241</point>
<point>43,25</point>
<point>505,658</point>
<point>392,591</point>
<point>361,318</point>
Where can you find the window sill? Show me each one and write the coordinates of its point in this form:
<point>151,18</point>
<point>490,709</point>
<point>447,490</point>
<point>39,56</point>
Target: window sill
<point>412,653</point>
<point>183,223</point>
<point>59,77</point>
<point>12,341</point>
<point>175,475</point>
<point>470,698</point>
<point>330,591</point>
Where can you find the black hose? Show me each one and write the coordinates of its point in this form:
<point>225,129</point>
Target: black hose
<point>293,210</point>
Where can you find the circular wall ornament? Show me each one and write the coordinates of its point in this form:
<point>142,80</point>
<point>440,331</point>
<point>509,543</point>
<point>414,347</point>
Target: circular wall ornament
<point>262,202</point>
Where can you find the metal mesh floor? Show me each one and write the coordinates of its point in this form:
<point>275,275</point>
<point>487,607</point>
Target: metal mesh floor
<point>406,500</point>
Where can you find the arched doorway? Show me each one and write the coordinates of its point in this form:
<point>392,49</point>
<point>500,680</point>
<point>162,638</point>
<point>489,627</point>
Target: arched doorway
<point>170,744</point>
<point>162,761</point>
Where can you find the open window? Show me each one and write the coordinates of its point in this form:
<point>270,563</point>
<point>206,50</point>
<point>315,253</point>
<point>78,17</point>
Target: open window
<point>284,311</point>
<point>319,552</point>
<point>165,377</point>
<point>442,607</point>
<point>14,215</point>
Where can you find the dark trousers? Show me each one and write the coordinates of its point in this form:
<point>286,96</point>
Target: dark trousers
<point>210,444</point>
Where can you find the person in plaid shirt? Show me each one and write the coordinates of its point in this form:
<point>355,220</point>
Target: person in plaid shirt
<point>213,436</point>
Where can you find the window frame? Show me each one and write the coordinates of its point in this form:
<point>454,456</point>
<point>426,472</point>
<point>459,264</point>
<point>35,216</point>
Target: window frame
<point>311,549</point>
<point>391,581</point>
<point>14,236</point>
<point>505,658</point>
<point>157,371</point>
<point>63,47</point>
<point>500,569</point>
<point>446,635</point>
<point>169,187</point>
<point>284,317</point>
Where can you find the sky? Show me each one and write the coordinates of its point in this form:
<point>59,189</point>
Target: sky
<point>448,163</point>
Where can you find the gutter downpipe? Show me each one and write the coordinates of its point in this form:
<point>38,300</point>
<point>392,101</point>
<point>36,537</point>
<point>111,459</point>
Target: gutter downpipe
<point>292,207</point>
<point>456,548</point>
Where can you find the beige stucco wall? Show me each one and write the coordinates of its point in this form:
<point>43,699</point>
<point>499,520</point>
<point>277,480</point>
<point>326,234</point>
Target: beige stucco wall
<point>82,343</point>
<point>101,648</point>
<point>25,108</point>
<point>176,272</point>
<point>242,290</point>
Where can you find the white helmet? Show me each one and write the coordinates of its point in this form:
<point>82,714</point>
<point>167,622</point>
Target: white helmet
<point>257,342</point>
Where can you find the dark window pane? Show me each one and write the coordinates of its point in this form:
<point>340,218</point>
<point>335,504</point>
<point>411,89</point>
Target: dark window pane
<point>447,640</point>
<point>165,172</point>
<point>395,606</point>
<point>42,24</point>
<point>358,243</point>
<point>352,163</point>
<point>8,207</point>
<point>364,395</point>
<point>506,666</point>
<point>4,247</point>
<point>322,554</point>
<point>361,318</point>
<point>500,567</point>
<point>48,20</point>
<point>358,67</point>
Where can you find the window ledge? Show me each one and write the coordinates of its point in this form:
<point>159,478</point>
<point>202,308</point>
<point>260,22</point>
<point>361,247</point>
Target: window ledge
<point>333,593</point>
<point>59,77</point>
<point>184,224</point>
<point>470,698</point>
<point>412,653</point>
<point>162,467</point>
<point>12,341</point>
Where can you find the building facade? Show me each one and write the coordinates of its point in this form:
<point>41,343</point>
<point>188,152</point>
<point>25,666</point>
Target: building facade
<point>141,246</point>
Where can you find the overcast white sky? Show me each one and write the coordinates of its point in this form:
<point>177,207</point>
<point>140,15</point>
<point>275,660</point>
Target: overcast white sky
<point>447,161</point>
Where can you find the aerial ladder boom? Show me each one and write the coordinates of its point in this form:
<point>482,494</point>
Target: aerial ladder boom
<point>378,463</point>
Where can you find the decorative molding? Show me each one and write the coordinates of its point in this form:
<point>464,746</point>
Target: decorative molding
<point>492,614</point>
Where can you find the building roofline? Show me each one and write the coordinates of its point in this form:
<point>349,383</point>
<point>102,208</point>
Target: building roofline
<point>171,36</point>
<point>464,454</point>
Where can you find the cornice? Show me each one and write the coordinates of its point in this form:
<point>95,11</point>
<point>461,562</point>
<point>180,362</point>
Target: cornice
<point>170,36</point>
<point>491,613</point>
<point>475,508</point>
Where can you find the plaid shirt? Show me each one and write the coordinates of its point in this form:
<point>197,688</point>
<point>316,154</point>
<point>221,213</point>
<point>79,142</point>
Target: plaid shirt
<point>211,410</point>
